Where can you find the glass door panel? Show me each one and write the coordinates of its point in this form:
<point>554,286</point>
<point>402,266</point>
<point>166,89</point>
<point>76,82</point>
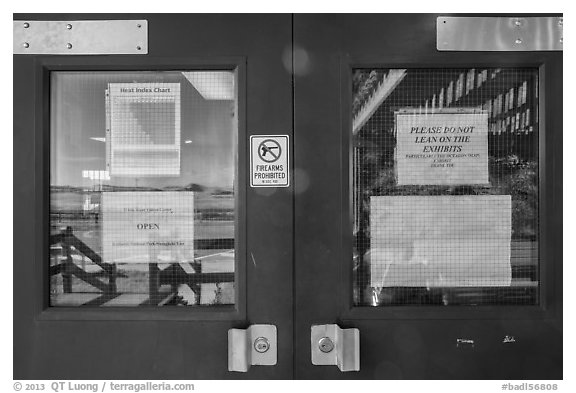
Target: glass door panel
<point>445,186</point>
<point>143,188</point>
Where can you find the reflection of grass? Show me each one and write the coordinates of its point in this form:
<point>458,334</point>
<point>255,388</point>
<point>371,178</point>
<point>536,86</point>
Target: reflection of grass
<point>136,282</point>
<point>72,201</point>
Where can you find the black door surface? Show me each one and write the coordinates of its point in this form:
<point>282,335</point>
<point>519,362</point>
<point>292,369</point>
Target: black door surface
<point>421,205</point>
<point>428,194</point>
<point>138,243</point>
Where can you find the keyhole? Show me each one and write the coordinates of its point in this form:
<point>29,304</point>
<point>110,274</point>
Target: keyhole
<point>261,345</point>
<point>326,345</point>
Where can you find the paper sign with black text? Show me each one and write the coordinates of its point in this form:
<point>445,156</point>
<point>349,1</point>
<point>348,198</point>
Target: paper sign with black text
<point>441,148</point>
<point>143,129</point>
<point>148,226</point>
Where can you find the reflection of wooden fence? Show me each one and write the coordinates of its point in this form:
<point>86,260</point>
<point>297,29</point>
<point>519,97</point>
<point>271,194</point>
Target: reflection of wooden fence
<point>173,275</point>
<point>68,268</point>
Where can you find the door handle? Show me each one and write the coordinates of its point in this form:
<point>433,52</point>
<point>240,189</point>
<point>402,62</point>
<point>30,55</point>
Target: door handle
<point>332,345</point>
<point>255,346</point>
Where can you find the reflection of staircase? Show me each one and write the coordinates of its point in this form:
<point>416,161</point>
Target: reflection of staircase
<point>172,274</point>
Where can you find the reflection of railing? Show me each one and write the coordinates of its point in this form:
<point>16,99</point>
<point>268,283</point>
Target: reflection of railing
<point>68,268</point>
<point>173,275</point>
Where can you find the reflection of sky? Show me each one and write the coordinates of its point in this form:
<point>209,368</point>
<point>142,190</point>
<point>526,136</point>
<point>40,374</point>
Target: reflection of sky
<point>78,114</point>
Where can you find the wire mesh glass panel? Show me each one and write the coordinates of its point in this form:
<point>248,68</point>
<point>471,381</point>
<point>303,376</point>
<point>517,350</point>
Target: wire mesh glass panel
<point>445,186</point>
<point>143,188</point>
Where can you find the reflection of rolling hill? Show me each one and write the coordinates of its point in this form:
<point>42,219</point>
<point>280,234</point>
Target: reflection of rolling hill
<point>66,199</point>
<point>189,187</point>
<point>222,193</point>
<point>66,189</point>
<point>108,187</point>
<point>111,188</point>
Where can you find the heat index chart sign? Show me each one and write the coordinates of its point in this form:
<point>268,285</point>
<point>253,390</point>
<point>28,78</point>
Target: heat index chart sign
<point>269,161</point>
<point>143,129</point>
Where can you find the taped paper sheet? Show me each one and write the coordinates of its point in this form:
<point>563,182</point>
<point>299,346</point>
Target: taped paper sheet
<point>440,241</point>
<point>442,148</point>
<point>143,129</point>
<point>148,227</point>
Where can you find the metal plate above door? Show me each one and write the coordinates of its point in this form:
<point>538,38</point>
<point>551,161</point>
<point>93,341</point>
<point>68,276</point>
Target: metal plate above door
<point>81,37</point>
<point>499,34</point>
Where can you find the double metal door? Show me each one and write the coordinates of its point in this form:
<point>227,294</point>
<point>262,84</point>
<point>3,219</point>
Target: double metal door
<point>266,197</point>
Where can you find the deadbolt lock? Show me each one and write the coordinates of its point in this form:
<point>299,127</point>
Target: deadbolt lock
<point>326,344</point>
<point>254,346</point>
<point>261,344</point>
<point>332,345</point>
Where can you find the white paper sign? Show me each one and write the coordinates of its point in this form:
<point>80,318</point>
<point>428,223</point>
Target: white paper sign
<point>442,148</point>
<point>269,161</point>
<point>440,241</point>
<point>148,227</point>
<point>143,129</point>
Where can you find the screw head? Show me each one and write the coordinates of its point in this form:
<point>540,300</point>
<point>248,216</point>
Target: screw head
<point>138,47</point>
<point>518,41</point>
<point>560,22</point>
<point>326,344</point>
<point>138,25</point>
<point>26,45</point>
<point>69,26</point>
<point>26,25</point>
<point>561,40</point>
<point>517,23</point>
<point>261,345</point>
<point>69,46</point>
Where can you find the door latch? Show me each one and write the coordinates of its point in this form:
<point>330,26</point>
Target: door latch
<point>255,346</point>
<point>332,345</point>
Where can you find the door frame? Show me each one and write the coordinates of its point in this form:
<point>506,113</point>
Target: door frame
<point>44,67</point>
<point>550,190</point>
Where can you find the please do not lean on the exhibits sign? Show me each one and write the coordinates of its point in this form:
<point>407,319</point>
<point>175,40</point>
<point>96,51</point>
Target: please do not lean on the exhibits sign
<point>441,148</point>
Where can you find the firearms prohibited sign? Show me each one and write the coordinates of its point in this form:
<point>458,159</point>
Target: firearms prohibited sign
<point>269,161</point>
